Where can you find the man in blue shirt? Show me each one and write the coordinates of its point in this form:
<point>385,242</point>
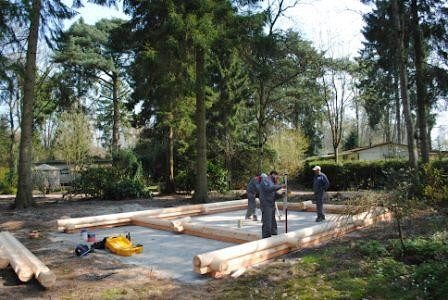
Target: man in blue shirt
<point>268,189</point>
<point>320,186</point>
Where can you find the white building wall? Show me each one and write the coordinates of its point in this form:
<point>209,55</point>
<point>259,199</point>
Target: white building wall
<point>383,152</point>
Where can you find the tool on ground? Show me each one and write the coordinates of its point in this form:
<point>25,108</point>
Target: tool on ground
<point>83,249</point>
<point>122,246</point>
<point>285,203</point>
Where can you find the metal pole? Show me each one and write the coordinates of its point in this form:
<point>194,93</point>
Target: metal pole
<point>285,203</point>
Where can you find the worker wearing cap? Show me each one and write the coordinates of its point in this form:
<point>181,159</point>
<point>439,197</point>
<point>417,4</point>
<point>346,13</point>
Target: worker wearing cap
<point>320,185</point>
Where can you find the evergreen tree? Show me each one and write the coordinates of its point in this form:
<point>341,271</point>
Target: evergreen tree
<point>89,52</point>
<point>45,15</point>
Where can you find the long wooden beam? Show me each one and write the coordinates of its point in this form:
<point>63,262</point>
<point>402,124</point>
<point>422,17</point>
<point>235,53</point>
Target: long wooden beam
<point>330,208</point>
<point>71,224</point>
<point>235,257</point>
<point>219,233</point>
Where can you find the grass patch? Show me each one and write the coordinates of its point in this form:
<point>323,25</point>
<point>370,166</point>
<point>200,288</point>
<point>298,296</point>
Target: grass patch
<point>368,268</point>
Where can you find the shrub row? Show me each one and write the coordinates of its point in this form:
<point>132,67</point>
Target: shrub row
<point>363,174</point>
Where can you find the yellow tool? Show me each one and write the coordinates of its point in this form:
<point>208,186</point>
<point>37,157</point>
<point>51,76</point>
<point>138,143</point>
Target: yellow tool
<point>122,246</point>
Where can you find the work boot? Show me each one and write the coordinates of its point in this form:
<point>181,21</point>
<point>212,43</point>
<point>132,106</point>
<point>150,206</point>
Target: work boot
<point>319,219</point>
<point>254,218</point>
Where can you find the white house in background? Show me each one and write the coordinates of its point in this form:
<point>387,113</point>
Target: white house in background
<point>381,151</point>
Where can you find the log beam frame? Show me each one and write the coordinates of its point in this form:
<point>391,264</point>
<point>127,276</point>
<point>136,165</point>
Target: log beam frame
<point>252,249</point>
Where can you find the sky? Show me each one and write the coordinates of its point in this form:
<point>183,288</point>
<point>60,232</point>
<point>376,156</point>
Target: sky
<point>331,25</point>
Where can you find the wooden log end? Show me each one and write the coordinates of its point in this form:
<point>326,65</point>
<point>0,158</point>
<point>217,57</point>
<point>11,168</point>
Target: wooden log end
<point>24,273</point>
<point>197,261</point>
<point>47,278</point>
<point>4,262</point>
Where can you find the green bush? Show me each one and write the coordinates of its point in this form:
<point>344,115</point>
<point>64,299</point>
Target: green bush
<point>184,180</point>
<point>125,189</point>
<point>7,184</point>
<point>372,249</point>
<point>126,164</point>
<point>435,183</point>
<point>419,250</point>
<point>93,182</point>
<point>121,181</point>
<point>431,279</point>
<point>217,177</point>
<point>375,174</point>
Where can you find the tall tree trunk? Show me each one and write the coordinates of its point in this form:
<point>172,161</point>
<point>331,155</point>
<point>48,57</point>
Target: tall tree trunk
<point>402,58</point>
<point>358,134</point>
<point>200,191</point>
<point>397,109</point>
<point>336,153</point>
<point>170,185</point>
<point>387,123</point>
<point>422,106</point>
<point>24,197</point>
<point>116,113</point>
<point>261,127</point>
<point>12,142</point>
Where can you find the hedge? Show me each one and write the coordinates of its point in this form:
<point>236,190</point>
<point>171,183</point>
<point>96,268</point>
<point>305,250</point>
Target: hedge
<point>360,174</point>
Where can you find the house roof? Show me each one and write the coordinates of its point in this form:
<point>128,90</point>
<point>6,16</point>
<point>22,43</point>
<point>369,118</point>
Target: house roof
<point>45,167</point>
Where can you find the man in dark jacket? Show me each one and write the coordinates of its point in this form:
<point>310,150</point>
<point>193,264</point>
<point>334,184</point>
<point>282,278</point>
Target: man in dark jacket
<point>252,192</point>
<point>268,188</point>
<point>320,185</point>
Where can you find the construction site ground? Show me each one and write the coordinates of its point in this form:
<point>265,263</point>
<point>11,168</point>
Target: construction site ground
<point>164,270</point>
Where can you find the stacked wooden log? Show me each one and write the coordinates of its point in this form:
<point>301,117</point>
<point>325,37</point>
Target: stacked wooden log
<point>228,260</point>
<point>25,264</point>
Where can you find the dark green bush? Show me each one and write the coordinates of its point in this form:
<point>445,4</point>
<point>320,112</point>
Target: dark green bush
<point>121,181</point>
<point>364,174</point>
<point>7,181</point>
<point>431,279</point>
<point>126,164</point>
<point>93,182</point>
<point>372,249</point>
<point>217,177</point>
<point>185,180</point>
<point>124,189</point>
<point>419,250</point>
